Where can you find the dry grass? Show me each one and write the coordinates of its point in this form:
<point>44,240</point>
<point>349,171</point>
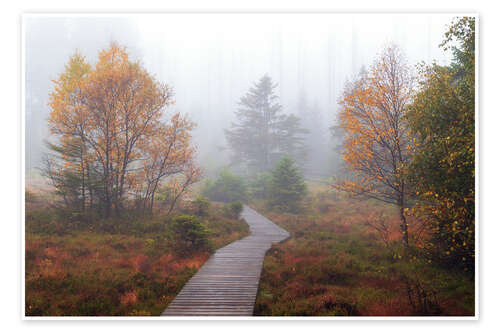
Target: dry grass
<point>85,271</point>
<point>336,264</point>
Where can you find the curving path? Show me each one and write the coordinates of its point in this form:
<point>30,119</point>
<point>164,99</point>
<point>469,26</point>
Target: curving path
<point>226,285</point>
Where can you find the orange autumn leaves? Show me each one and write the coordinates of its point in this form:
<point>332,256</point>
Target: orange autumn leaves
<point>114,113</point>
<point>377,143</point>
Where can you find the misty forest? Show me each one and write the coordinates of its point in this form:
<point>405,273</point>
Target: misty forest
<point>249,164</point>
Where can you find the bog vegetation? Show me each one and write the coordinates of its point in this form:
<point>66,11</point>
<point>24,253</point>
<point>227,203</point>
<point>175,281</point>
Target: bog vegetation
<point>409,145</point>
<point>78,265</point>
<point>117,238</point>
<point>345,257</point>
<point>131,216</point>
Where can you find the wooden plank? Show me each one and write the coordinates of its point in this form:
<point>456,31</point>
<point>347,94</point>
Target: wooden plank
<point>226,285</point>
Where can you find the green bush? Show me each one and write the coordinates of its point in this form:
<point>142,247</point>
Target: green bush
<point>233,209</point>
<point>228,187</point>
<point>260,187</point>
<point>287,187</point>
<point>442,170</point>
<point>201,206</point>
<point>189,235</point>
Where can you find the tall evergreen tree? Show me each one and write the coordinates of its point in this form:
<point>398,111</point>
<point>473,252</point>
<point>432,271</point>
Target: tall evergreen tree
<point>262,133</point>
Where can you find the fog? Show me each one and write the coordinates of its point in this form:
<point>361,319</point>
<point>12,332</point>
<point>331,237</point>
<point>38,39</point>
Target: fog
<point>211,60</point>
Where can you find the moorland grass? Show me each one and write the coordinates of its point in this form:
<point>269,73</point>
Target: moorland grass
<point>336,264</point>
<point>79,265</point>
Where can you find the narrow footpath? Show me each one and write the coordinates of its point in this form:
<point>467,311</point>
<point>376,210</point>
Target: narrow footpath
<point>226,285</point>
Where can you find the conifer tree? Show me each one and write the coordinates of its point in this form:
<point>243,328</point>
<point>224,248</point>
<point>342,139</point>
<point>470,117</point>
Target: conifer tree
<point>262,133</point>
<point>287,186</point>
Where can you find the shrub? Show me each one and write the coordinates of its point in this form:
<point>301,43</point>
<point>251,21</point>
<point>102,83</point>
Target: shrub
<point>227,187</point>
<point>201,206</point>
<point>287,186</point>
<point>233,209</point>
<point>260,187</point>
<point>189,235</point>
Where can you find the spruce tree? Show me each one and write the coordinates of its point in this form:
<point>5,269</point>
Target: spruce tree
<point>262,134</point>
<point>287,186</point>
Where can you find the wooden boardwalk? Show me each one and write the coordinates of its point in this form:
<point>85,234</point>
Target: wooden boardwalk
<point>226,285</point>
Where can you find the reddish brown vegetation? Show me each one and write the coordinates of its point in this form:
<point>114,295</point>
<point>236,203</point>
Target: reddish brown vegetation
<point>87,272</point>
<point>335,263</point>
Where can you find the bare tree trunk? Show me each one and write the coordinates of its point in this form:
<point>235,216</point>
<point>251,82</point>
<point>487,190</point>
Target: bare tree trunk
<point>90,188</point>
<point>404,223</point>
<point>172,205</point>
<point>82,161</point>
<point>152,202</point>
<point>107,195</point>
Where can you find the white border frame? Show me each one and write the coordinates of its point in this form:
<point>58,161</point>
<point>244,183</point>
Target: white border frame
<point>91,13</point>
